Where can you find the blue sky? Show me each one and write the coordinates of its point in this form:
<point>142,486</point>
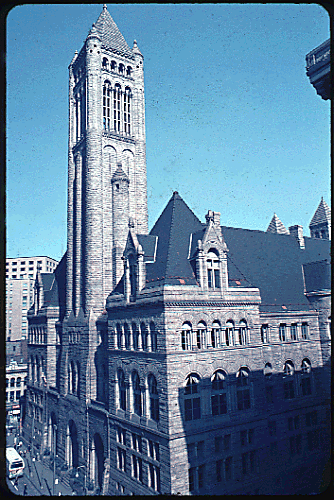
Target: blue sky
<point>232,121</point>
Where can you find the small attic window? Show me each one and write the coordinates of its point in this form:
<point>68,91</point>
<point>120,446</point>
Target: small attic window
<point>213,269</point>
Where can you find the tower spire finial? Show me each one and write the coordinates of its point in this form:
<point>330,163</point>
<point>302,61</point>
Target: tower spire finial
<point>104,6</point>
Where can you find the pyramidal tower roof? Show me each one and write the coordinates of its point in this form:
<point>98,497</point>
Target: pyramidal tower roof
<point>276,226</point>
<point>110,35</point>
<point>322,214</point>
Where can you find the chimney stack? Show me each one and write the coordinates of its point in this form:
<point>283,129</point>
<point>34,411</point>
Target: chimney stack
<point>297,232</point>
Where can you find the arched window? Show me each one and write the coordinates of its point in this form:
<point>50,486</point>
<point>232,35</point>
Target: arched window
<point>215,334</point>
<point>229,333</point>
<point>186,336</point>
<point>133,275</point>
<point>121,389</point>
<point>288,384</point>
<point>12,382</point>
<point>135,336</point>
<point>293,331</point>
<point>218,393</point>
<point>121,68</point>
<point>153,334</point>
<point>282,332</point>
<point>117,108</point>
<point>212,261</point>
<point>304,331</point>
<point>127,110</point>
<point>243,389</point>
<point>306,377</point>
<point>113,65</point>
<point>154,398</point>
<point>74,378</point>
<point>201,336</point>
<point>128,71</point>
<point>136,391</point>
<point>104,63</point>
<point>192,401</point>
<point>77,389</point>
<point>106,105</point>
<point>70,377</point>
<point>242,332</point>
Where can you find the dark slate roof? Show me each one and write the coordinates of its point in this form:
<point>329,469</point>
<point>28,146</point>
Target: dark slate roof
<point>173,230</point>
<point>317,276</point>
<point>54,287</point>
<point>111,37</point>
<point>322,214</point>
<point>269,261</point>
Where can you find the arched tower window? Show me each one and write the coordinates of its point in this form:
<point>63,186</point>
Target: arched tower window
<point>113,65</point>
<point>135,336</point>
<point>104,63</point>
<point>218,393</point>
<point>154,398</point>
<point>127,110</point>
<point>186,336</point>
<point>153,334</point>
<point>117,108</point>
<point>201,336</point>
<point>192,400</point>
<point>144,334</point>
<point>106,105</point>
<point>121,69</point>
<point>213,269</point>
<point>127,336</point>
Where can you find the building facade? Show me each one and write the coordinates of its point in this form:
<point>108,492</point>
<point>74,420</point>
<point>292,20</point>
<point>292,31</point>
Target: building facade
<point>318,69</point>
<point>20,279</point>
<point>16,381</point>
<point>193,359</point>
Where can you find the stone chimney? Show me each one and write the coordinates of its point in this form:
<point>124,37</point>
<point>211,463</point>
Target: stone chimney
<point>214,216</point>
<point>297,232</point>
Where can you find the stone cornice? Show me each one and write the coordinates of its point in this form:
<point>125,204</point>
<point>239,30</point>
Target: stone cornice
<point>122,138</point>
<point>109,50</point>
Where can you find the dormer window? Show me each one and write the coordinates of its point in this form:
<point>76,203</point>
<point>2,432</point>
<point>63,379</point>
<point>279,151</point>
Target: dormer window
<point>213,269</point>
<point>133,274</point>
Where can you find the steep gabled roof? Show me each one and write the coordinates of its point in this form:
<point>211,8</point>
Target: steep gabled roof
<point>322,214</point>
<point>111,37</point>
<point>173,229</point>
<point>276,226</point>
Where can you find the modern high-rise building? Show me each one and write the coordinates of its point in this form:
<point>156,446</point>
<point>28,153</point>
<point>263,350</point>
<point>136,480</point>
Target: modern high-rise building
<point>191,359</point>
<point>21,273</point>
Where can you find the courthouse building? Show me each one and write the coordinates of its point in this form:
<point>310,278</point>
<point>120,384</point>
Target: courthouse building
<point>191,359</point>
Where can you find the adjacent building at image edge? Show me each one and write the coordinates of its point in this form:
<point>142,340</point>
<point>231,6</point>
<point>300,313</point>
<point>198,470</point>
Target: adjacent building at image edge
<point>191,359</point>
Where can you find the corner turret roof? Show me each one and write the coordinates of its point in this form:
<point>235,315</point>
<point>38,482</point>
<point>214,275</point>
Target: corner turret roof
<point>110,35</point>
<point>322,214</point>
<point>276,226</point>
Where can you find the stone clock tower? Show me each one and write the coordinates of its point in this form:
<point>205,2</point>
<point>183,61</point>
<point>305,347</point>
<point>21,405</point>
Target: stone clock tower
<point>106,134</point>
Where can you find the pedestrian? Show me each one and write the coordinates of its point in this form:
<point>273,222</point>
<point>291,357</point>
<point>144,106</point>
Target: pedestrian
<point>20,444</point>
<point>24,489</point>
<point>15,442</point>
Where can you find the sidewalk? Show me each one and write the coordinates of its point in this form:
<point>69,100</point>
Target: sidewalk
<point>40,474</point>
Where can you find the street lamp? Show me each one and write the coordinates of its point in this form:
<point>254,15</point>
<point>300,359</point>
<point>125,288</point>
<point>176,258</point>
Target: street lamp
<point>77,475</point>
<point>54,458</point>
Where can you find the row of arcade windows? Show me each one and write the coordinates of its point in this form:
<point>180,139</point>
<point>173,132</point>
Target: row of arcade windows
<point>116,108</point>
<point>131,395</point>
<point>112,66</point>
<point>214,337</point>
<point>136,337</point>
<point>295,331</point>
<point>36,370</point>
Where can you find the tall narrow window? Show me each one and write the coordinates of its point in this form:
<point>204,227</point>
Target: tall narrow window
<point>136,391</point>
<point>135,336</point>
<point>186,337</point>
<point>265,334</point>
<point>243,389</point>
<point>304,331</point>
<point>121,389</point>
<point>306,377</point>
<point>215,334</point>
<point>154,398</point>
<point>293,331</point>
<point>192,402</point>
<point>117,108</point>
<point>242,332</point>
<point>213,269</point>
<point>201,335</point>
<point>288,380</point>
<point>282,332</point>
<point>218,393</point>
<point>106,105</point>
<point>127,336</point>
<point>127,110</point>
<point>229,333</point>
<point>153,334</point>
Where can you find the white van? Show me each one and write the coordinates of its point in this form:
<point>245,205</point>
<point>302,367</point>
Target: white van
<point>14,463</point>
